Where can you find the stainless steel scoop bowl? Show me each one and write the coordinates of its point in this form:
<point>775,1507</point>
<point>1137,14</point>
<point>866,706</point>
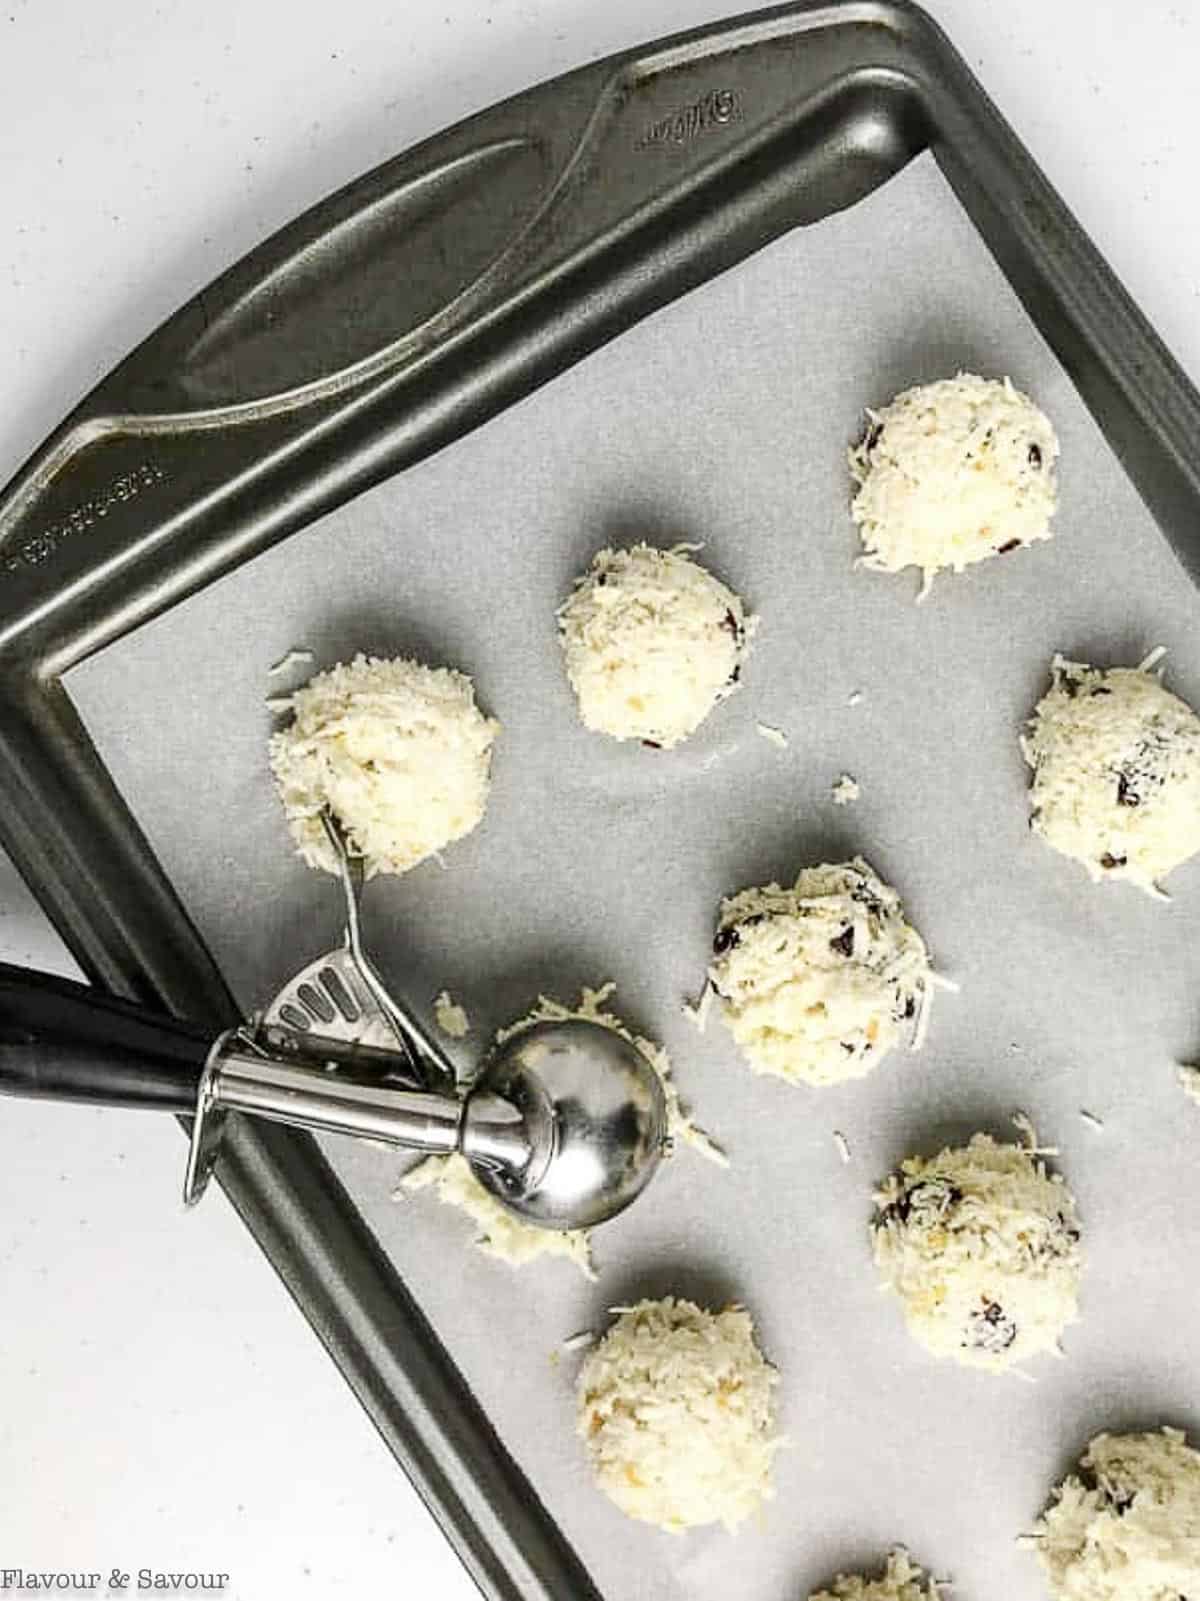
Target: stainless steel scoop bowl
<point>596,1116</point>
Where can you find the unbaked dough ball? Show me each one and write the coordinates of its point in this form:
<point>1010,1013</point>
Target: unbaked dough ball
<point>901,1580</point>
<point>398,751</point>
<point>1127,1527</point>
<point>652,642</point>
<point>816,983</point>
<point>676,1409</point>
<point>951,473</point>
<point>501,1234</point>
<point>1116,771</point>
<point>981,1245</point>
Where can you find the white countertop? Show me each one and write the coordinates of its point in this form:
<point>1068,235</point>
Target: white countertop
<point>161,1403</point>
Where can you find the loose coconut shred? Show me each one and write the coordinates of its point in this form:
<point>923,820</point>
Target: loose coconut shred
<point>901,1580</point>
<point>981,1245</point>
<point>503,1234</point>
<point>1127,1526</point>
<point>291,658</point>
<point>676,1410</point>
<point>1116,772</point>
<point>450,1017</point>
<point>951,473</point>
<point>816,983</point>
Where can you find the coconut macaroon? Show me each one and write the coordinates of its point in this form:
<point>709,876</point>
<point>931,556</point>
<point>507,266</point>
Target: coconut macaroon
<point>951,473</point>
<point>901,1580</point>
<point>1116,771</point>
<point>398,752</point>
<point>675,1407</point>
<point>816,983</point>
<point>981,1245</point>
<point>501,1233</point>
<point>652,641</point>
<point>1127,1526</point>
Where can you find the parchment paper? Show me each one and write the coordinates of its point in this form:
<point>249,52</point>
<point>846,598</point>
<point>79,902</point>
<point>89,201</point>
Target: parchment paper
<point>725,419</point>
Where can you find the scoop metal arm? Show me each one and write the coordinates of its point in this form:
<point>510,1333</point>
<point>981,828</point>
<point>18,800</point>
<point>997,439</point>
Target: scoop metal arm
<point>64,1041</point>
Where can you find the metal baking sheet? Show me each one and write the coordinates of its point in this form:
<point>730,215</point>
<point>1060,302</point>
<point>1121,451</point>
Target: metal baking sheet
<point>725,420</point>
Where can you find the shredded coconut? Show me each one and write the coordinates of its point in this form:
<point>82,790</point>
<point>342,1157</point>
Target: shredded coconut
<point>697,1011</point>
<point>981,1245</point>
<point>1189,1082</point>
<point>502,1234</point>
<point>675,1406</point>
<point>856,698</point>
<point>1116,772</point>
<point>846,791</point>
<point>1150,662</point>
<point>900,1581</point>
<point>772,735</point>
<point>294,658</point>
<point>818,982</point>
<point>1090,1117</point>
<point>1127,1527</point>
<point>951,473</point>
<point>399,752</point>
<point>450,1017</point>
<point>842,1143</point>
<point>1023,1124</point>
<point>652,641</point>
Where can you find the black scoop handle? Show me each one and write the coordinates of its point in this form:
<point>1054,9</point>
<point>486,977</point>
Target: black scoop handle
<point>62,1041</point>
